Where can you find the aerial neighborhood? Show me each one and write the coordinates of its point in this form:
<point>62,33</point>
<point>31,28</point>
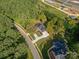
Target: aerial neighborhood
<point>39,29</point>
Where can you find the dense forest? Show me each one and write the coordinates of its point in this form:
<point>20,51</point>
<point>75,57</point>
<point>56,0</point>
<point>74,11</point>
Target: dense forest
<point>12,44</point>
<point>20,9</point>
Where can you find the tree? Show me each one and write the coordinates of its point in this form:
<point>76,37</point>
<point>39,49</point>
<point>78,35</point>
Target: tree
<point>11,42</point>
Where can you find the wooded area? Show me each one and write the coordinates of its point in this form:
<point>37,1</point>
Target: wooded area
<point>12,44</point>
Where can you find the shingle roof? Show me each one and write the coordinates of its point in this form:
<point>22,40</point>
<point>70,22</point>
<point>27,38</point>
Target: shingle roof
<point>40,26</point>
<point>59,47</point>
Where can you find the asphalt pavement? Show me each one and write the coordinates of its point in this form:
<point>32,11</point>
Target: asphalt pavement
<point>29,42</point>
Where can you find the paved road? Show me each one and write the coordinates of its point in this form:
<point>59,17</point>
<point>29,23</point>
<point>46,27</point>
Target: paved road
<point>70,4</point>
<point>46,2</point>
<point>74,5</point>
<point>29,42</point>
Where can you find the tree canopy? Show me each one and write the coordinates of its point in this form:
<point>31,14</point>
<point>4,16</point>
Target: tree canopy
<point>12,44</point>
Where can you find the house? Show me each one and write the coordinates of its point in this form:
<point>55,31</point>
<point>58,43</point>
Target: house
<point>43,33</point>
<point>59,49</point>
<point>40,27</point>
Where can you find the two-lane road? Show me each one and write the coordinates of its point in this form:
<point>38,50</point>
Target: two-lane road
<point>29,42</point>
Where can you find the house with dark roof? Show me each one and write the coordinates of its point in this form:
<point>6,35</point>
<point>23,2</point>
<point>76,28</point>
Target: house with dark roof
<point>59,49</point>
<point>43,33</point>
<point>40,27</point>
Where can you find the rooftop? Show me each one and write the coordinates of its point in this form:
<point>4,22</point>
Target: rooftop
<point>59,47</point>
<point>40,26</point>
